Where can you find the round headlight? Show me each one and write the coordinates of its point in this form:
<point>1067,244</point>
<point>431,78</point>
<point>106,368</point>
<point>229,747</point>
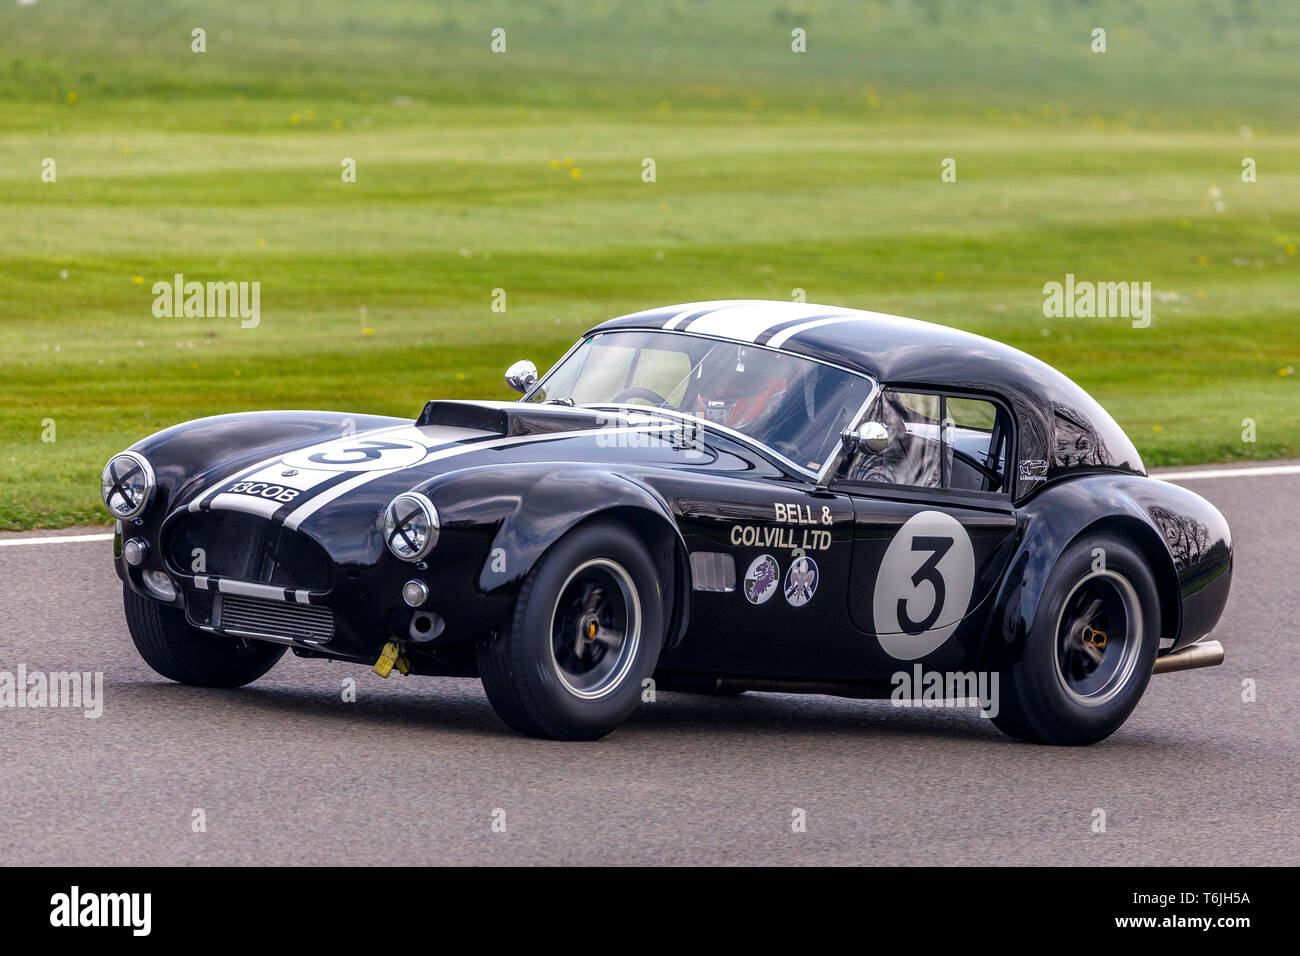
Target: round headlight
<point>127,485</point>
<point>410,526</point>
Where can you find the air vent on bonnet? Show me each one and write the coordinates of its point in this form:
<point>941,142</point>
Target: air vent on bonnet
<point>512,418</point>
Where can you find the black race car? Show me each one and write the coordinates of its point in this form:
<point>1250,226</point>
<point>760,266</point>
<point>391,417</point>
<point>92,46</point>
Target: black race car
<point>716,497</point>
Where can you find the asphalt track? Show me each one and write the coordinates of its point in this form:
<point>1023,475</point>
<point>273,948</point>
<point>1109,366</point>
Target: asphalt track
<point>285,772</point>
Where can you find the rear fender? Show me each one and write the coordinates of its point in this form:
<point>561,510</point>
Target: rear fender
<point>1155,515</point>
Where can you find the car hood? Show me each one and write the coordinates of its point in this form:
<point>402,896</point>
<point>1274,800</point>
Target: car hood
<point>326,488</point>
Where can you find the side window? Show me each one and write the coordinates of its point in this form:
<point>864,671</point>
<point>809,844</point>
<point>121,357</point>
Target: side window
<point>936,441</point>
<point>913,455</point>
<point>976,443</point>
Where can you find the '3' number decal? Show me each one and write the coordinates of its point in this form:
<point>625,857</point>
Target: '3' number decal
<point>924,585</point>
<point>367,450</point>
<point>929,571</point>
<point>358,453</point>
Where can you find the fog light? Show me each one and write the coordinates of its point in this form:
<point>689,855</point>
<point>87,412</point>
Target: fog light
<point>159,585</point>
<point>415,593</point>
<point>135,551</point>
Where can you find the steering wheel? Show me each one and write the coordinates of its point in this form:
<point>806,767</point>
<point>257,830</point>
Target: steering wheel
<point>638,391</point>
<point>991,476</point>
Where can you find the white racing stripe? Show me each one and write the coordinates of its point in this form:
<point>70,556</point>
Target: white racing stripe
<point>748,321</point>
<point>269,488</point>
<point>230,479</point>
<point>269,471</point>
<point>693,308</point>
<point>296,518</point>
<point>781,338</point>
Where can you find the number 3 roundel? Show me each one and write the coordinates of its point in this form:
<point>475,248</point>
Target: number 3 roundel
<point>924,585</point>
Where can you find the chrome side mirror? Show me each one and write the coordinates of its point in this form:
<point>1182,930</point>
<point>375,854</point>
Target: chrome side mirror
<point>870,437</point>
<point>522,376</point>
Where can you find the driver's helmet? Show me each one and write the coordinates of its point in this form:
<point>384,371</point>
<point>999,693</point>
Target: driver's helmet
<point>736,386</point>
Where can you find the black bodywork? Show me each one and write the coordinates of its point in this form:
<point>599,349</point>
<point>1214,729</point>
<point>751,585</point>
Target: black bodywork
<point>510,479</point>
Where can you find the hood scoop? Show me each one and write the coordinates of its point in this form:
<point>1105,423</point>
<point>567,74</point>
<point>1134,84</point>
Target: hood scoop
<point>512,418</point>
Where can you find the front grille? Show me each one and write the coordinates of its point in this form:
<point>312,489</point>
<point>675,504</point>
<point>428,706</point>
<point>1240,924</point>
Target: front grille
<point>254,617</point>
<point>232,544</point>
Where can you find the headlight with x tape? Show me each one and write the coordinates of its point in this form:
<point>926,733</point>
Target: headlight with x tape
<point>410,526</point>
<point>127,484</point>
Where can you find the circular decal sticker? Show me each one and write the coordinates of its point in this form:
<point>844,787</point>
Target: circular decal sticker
<point>762,579</point>
<point>357,453</point>
<point>801,582</point>
<point>924,585</point>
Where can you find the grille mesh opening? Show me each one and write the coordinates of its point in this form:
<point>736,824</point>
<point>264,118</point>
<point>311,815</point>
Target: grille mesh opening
<point>253,616</point>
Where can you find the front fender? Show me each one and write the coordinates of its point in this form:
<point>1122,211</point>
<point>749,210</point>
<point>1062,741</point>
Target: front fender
<point>1183,536</point>
<point>525,510</point>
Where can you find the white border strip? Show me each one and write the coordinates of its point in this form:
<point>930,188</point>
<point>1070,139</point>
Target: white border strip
<point>1229,473</point>
<point>56,539</point>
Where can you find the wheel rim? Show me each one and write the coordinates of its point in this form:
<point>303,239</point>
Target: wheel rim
<point>1098,637</point>
<point>595,628</point>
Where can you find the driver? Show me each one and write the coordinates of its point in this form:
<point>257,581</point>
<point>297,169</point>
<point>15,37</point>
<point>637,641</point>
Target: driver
<point>737,391</point>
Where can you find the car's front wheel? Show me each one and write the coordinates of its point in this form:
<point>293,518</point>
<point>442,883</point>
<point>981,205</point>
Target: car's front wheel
<point>587,629</point>
<point>1088,656</point>
<point>181,652</point>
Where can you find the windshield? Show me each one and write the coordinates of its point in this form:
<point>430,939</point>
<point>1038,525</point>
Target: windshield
<point>794,406</point>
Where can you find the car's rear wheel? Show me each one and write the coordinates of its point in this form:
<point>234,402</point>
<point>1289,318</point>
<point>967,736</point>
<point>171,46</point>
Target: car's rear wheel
<point>181,652</point>
<point>586,631</point>
<point>1088,656</point>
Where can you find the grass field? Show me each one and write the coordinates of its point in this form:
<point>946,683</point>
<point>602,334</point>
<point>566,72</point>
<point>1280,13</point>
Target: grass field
<point>522,171</point>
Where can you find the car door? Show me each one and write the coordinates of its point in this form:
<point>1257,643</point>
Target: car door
<point>933,522</point>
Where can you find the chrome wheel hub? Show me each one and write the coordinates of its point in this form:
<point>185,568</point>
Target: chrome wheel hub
<point>595,628</point>
<point>1098,637</point>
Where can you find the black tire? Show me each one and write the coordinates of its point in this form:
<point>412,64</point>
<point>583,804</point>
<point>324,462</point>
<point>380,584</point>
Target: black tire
<point>183,653</point>
<point>1064,688</point>
<point>534,676</point>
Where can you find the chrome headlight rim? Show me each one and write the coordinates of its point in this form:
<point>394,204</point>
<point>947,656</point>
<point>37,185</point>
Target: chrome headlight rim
<point>110,480</point>
<point>401,539</point>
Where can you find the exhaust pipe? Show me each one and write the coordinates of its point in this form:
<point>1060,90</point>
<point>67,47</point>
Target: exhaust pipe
<point>1200,654</point>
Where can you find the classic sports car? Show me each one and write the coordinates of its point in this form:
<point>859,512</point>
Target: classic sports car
<point>724,496</point>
